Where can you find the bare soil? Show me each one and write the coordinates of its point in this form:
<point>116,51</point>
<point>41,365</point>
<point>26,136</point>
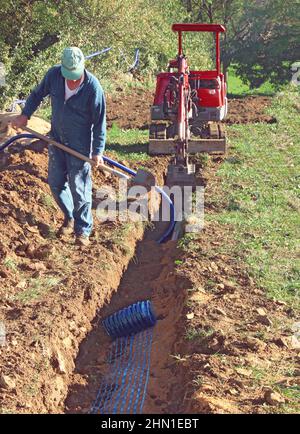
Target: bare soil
<point>50,289</point>
<point>133,110</point>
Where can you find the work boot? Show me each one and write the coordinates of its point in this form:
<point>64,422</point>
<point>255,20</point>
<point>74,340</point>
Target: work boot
<point>66,228</point>
<point>82,240</point>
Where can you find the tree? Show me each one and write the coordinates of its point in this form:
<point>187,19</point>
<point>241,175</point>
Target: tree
<point>262,39</point>
<point>34,32</point>
<point>226,12</point>
<point>269,43</point>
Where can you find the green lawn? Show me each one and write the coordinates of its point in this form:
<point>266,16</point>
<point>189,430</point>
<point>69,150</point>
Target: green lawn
<point>127,144</point>
<point>261,196</point>
<point>236,87</point>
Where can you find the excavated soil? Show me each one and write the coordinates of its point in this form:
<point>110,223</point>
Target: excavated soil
<point>150,275</point>
<point>54,295</point>
<point>133,110</point>
<point>249,110</point>
<point>50,289</point>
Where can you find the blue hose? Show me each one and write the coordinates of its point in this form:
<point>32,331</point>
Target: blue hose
<point>119,166</point>
<point>158,189</point>
<point>136,60</point>
<point>14,138</point>
<point>98,53</point>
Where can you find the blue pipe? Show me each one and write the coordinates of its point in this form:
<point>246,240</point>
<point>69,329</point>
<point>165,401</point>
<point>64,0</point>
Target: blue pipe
<point>171,226</point>
<point>136,60</point>
<point>14,138</point>
<point>158,189</point>
<point>119,166</point>
<point>98,53</point>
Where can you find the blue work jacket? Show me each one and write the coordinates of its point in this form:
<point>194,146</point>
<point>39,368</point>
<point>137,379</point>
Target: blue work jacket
<point>79,122</point>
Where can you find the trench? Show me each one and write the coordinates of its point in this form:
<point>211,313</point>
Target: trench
<point>151,274</point>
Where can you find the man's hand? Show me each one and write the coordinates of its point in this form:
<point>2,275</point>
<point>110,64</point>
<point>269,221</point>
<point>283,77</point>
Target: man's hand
<point>19,121</point>
<point>98,160</point>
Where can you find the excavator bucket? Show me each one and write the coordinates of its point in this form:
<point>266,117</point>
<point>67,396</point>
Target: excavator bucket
<point>144,178</point>
<point>181,175</point>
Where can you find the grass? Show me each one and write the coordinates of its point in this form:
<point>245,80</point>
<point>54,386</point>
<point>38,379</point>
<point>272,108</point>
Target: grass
<point>198,334</point>
<point>237,88</point>
<point>127,144</point>
<point>47,201</point>
<point>261,196</point>
<point>265,377</point>
<point>189,243</point>
<point>44,111</point>
<point>198,381</point>
<point>127,83</point>
<point>119,237</point>
<point>10,263</point>
<point>292,395</point>
<point>37,288</point>
<point>51,234</point>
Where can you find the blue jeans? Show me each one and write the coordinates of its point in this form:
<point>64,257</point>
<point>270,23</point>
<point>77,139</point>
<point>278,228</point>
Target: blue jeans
<point>71,185</point>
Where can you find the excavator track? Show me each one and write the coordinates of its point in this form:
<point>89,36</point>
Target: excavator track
<point>213,141</point>
<point>213,131</point>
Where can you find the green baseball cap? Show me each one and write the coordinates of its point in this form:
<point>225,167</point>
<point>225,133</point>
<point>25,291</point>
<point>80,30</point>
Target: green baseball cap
<point>72,63</point>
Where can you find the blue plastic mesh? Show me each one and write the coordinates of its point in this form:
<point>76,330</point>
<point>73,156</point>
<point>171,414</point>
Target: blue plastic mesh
<point>123,389</point>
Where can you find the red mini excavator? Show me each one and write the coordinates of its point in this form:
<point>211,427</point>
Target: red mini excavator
<point>188,109</point>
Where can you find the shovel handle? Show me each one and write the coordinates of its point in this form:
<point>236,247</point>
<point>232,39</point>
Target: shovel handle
<point>72,152</point>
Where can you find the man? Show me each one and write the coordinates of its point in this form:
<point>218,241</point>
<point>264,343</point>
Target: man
<point>78,121</point>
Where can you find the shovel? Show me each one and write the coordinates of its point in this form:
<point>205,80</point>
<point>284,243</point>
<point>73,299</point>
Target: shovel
<point>142,177</point>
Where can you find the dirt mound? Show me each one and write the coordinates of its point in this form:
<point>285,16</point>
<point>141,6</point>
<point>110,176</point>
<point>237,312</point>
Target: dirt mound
<point>36,123</point>
<point>130,110</point>
<point>50,289</point>
<point>133,110</point>
<point>249,110</point>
